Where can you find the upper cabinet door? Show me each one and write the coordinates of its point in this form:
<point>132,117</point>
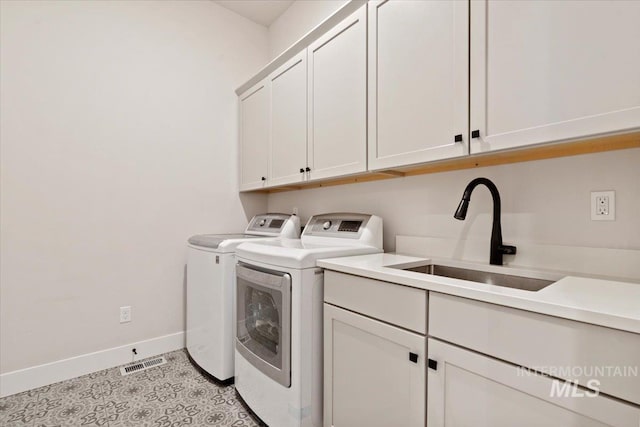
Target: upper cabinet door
<point>418,81</point>
<point>254,136</point>
<point>288,152</point>
<point>545,71</point>
<point>338,99</point>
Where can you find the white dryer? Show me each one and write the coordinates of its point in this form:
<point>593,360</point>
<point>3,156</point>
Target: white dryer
<point>211,289</point>
<point>279,316</point>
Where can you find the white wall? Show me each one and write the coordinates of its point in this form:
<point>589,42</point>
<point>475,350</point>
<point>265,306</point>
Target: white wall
<point>543,202</point>
<point>300,18</point>
<point>118,141</point>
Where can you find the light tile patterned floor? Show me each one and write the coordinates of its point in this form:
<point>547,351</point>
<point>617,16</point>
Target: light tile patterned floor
<point>172,395</point>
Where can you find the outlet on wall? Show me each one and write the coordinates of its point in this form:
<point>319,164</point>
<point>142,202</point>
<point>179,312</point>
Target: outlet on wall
<point>125,314</point>
<point>603,205</point>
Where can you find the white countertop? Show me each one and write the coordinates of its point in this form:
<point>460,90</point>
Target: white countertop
<point>597,301</point>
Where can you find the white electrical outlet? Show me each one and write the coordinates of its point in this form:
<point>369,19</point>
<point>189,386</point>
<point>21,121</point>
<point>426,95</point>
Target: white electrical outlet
<point>295,210</point>
<point>603,205</point>
<point>125,314</point>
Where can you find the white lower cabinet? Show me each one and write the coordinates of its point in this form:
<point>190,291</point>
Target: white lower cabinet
<point>467,389</point>
<point>374,373</point>
<point>547,344</point>
<point>381,370</point>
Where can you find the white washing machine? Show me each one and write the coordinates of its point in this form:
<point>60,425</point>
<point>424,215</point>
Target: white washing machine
<point>211,289</point>
<point>278,347</point>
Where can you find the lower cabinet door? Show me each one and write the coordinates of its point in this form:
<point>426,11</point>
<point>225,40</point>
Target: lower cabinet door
<point>374,373</point>
<point>467,389</point>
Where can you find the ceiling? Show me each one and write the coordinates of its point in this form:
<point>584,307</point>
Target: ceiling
<point>262,12</point>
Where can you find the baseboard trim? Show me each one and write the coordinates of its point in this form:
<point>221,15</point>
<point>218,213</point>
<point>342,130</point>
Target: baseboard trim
<point>61,370</point>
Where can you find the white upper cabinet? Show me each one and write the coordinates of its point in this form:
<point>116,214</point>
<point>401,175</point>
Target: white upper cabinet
<point>338,99</point>
<point>400,83</point>
<point>418,81</point>
<point>288,153</point>
<point>254,136</point>
<point>545,71</point>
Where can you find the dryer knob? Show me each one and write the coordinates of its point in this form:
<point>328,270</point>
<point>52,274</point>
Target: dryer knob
<point>326,225</point>
<point>262,222</point>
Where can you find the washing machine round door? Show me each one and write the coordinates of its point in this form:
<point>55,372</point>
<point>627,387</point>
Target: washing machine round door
<point>263,312</point>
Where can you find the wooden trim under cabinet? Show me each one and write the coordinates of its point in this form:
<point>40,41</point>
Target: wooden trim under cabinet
<point>540,152</point>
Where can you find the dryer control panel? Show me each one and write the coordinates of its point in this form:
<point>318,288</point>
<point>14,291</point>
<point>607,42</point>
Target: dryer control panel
<point>271,224</point>
<point>342,225</point>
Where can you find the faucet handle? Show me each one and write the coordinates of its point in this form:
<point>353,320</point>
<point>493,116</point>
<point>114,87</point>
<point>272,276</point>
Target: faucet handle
<point>507,250</point>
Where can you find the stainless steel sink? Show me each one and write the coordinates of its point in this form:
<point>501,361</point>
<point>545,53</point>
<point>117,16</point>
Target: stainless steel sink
<point>479,276</point>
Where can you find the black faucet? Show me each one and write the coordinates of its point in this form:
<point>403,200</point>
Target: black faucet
<point>497,248</point>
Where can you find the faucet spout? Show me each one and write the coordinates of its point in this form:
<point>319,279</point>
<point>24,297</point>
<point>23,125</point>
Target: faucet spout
<point>497,249</point>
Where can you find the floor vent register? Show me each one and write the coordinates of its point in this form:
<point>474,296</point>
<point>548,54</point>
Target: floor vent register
<point>141,366</point>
